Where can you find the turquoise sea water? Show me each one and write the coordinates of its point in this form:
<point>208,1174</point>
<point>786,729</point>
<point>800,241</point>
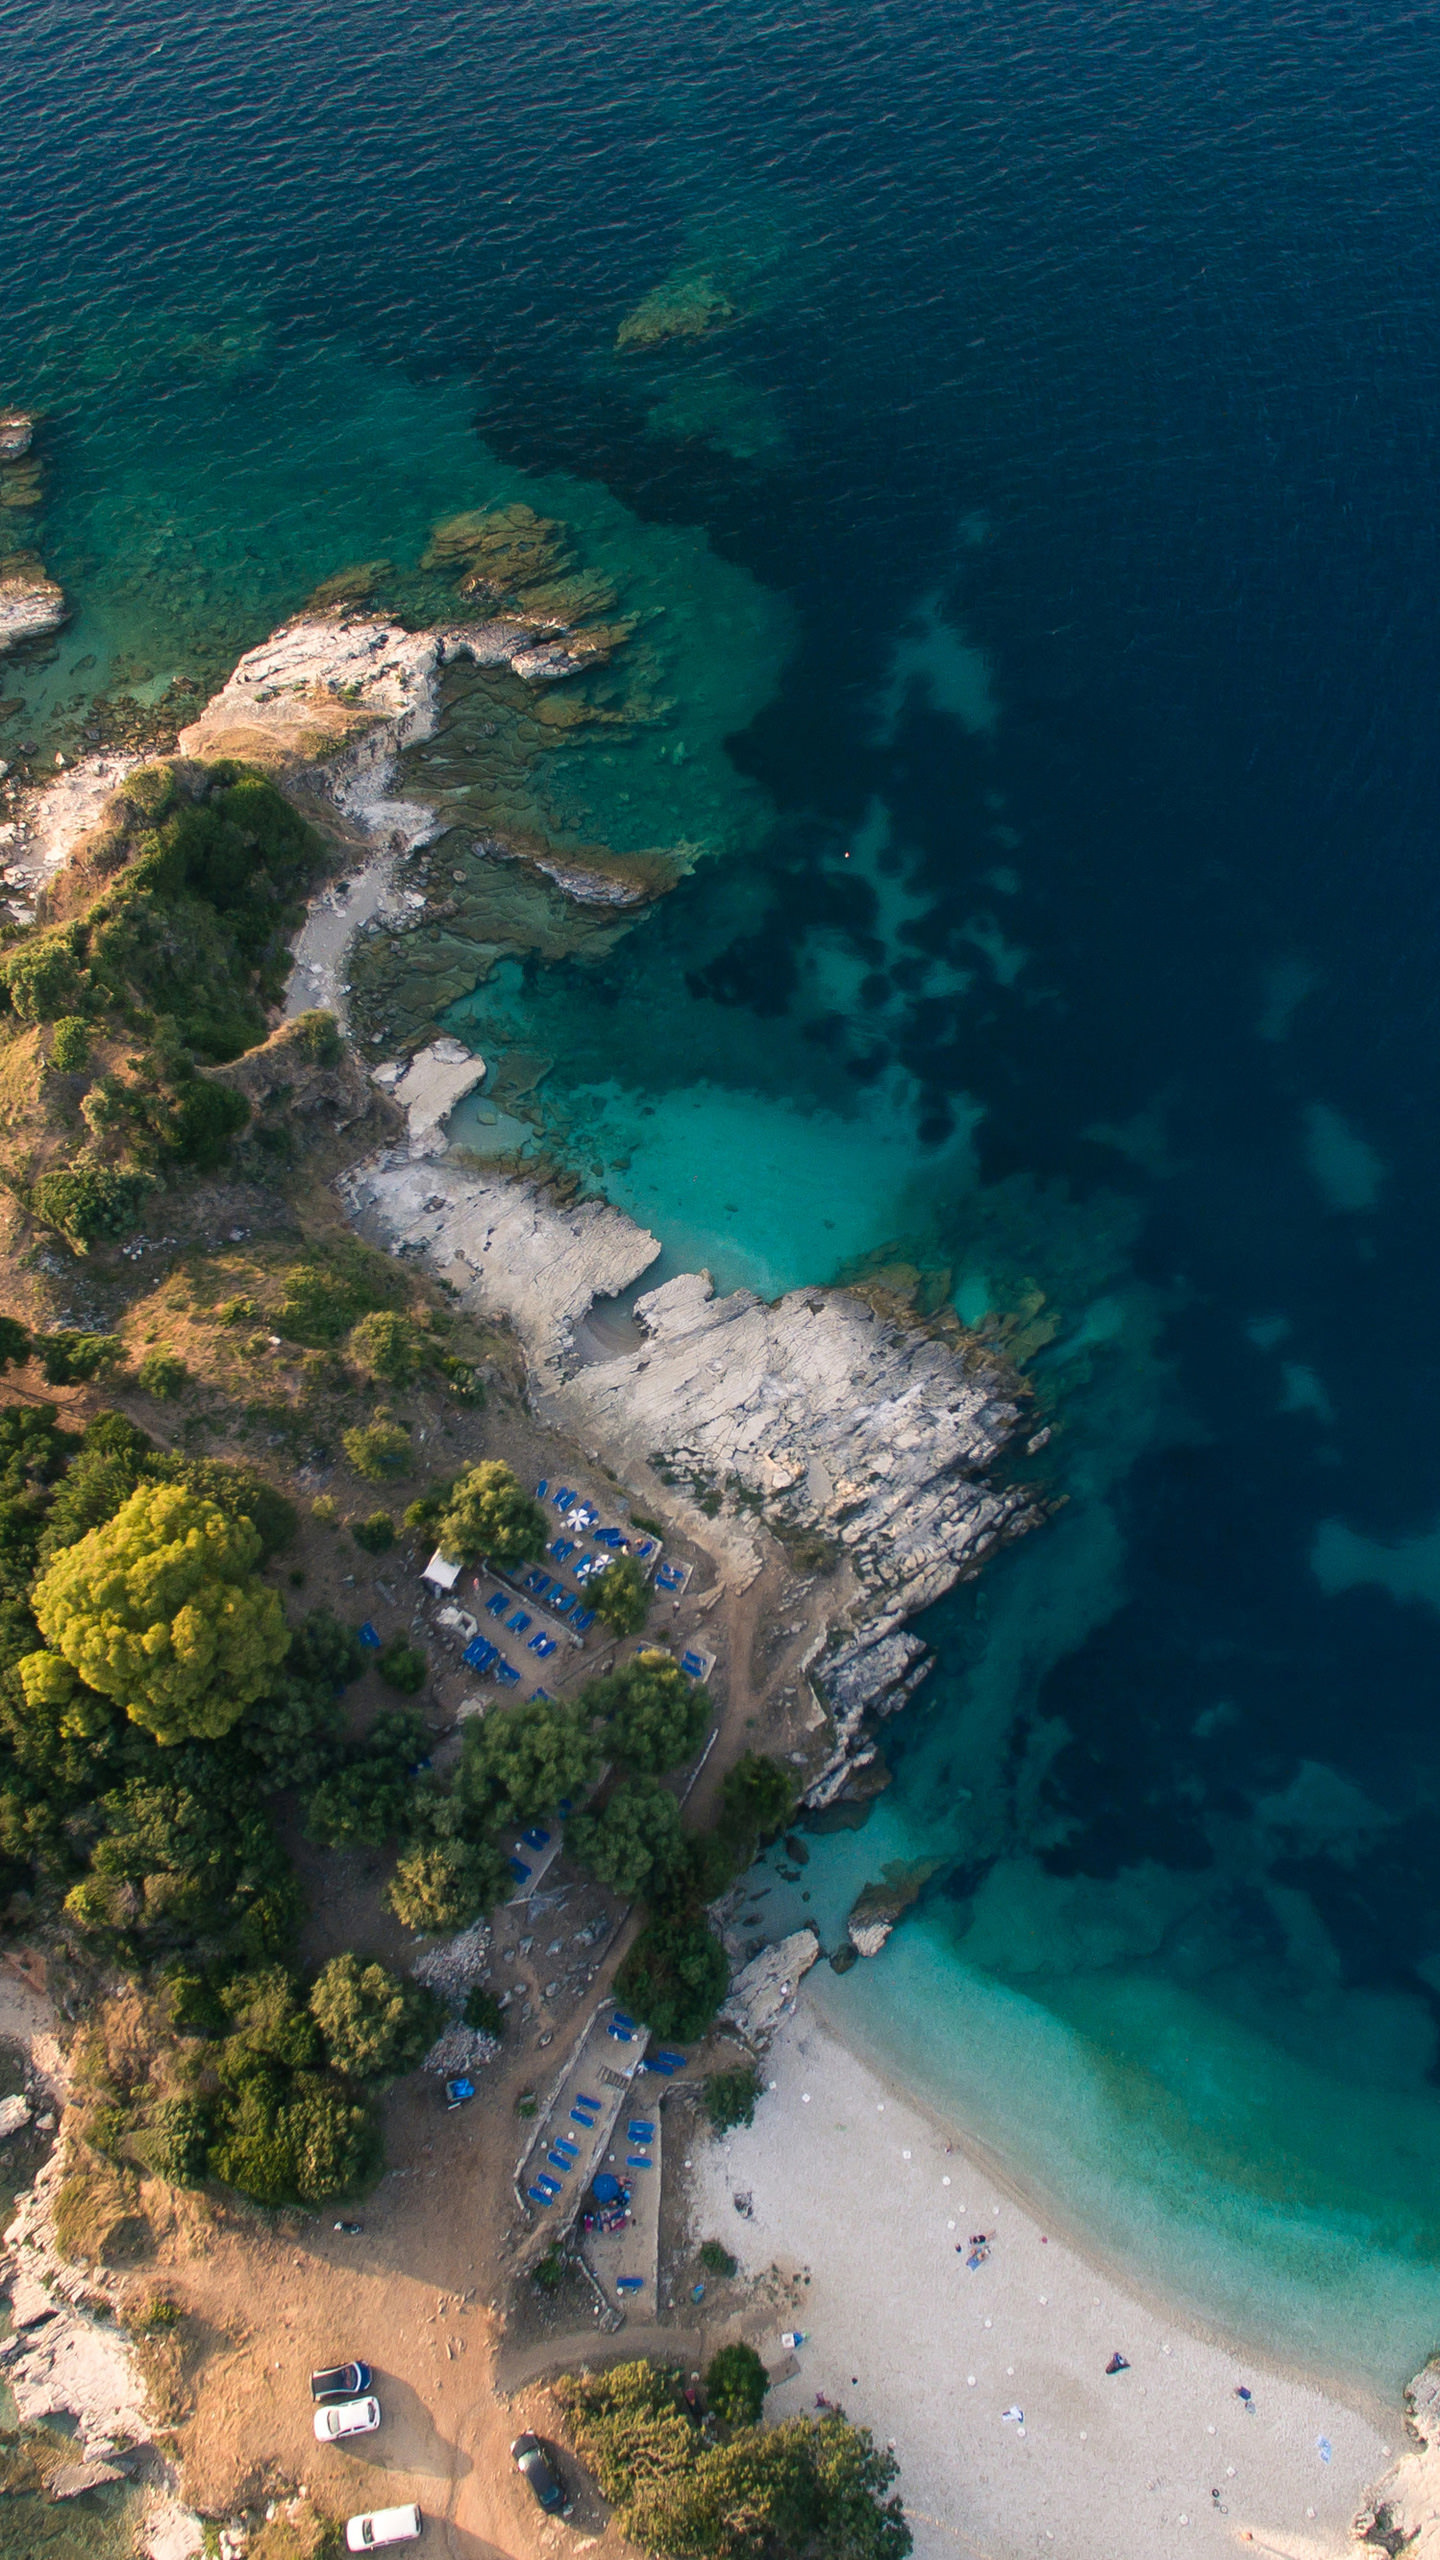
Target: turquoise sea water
<point>1031,687</point>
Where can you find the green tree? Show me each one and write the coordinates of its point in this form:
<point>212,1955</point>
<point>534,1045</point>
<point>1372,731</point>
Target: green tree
<point>196,1120</point>
<point>379,1450</point>
<point>730,2097</point>
<point>675,1977</point>
<point>375,2026</point>
<point>162,1375</point>
<point>161,1610</point>
<point>16,1347</point>
<point>372,1798</point>
<point>298,2139</point>
<point>402,1666</point>
<point>41,976</point>
<point>376,1533</point>
<point>735,2385</point>
<point>655,1717</point>
<point>387,1346</point>
<point>757,1800</point>
<point>439,1885</point>
<point>621,1598</point>
<point>70,1045</point>
<point>71,1359</point>
<point>520,1762</point>
<point>490,1515</point>
<point>632,1841</point>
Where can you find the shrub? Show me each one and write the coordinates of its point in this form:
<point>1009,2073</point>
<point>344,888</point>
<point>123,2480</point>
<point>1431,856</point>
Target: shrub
<point>716,2260</point>
<point>375,1533</point>
<point>16,1347</point>
<point>386,1346</point>
<point>483,2012</point>
<point>520,1762</point>
<point>375,2026</point>
<point>325,1509</point>
<point>198,1120</point>
<point>71,1359</point>
<point>176,2140</point>
<point>70,1045</point>
<point>88,1203</point>
<point>379,1450</point>
<point>489,1515</point>
<point>322,1297</point>
<point>161,1610</point>
<point>41,977</point>
<point>735,2385</point>
<point>756,1802</point>
<point>317,1034</point>
<point>300,2140</point>
<point>730,2097</point>
<point>621,1598</point>
<point>634,1839</point>
<point>370,1800</point>
<point>656,1718</point>
<point>675,1977</point>
<point>162,1375</point>
<point>402,1666</point>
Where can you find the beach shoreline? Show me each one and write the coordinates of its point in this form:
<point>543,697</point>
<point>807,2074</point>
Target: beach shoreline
<point>930,2352</point>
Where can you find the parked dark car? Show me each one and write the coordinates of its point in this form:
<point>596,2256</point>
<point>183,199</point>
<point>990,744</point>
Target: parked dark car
<point>531,2461</point>
<point>341,2382</point>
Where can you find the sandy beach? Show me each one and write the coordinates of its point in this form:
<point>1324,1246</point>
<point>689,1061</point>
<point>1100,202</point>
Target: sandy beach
<point>855,2184</point>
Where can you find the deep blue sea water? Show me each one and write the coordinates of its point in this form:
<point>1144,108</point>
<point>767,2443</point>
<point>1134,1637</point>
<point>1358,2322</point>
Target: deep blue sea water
<point>1071,923</point>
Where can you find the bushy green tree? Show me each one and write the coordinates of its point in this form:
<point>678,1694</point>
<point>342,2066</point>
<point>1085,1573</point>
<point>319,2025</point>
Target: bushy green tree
<point>654,1717</point>
<point>161,1610</point>
<point>387,1346</point>
<point>379,1450</point>
<point>621,1598</point>
<point>295,1731</point>
<point>371,1798</point>
<point>293,2139</point>
<point>162,1375</point>
<point>42,976</point>
<point>71,1359</point>
<point>634,1840</point>
<point>70,1045</point>
<point>183,1858</point>
<point>375,1534</point>
<point>444,1884</point>
<point>490,1515</point>
<point>520,1762</point>
<point>175,2141</point>
<point>375,2026</point>
<point>16,1347</point>
<point>402,1666</point>
<point>735,2385</point>
<point>675,1977</point>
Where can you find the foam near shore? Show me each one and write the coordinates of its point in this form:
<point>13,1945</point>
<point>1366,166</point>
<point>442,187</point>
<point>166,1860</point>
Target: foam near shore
<point>877,2200</point>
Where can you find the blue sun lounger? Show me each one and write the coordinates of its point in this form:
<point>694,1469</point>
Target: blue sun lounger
<point>521,1620</point>
<point>542,1488</point>
<point>541,1693</point>
<point>506,1673</point>
<point>564,2143</point>
<point>577,2116</point>
<point>536,2197</point>
<point>582,2100</point>
<point>623,2018</point>
<point>550,2185</point>
<point>563,1499</point>
<point>544,1646</point>
<point>637,2160</point>
<point>629,2284</point>
<point>498,1603</point>
<point>623,2035</point>
<point>582,1619</point>
<point>643,1550</point>
<point>519,1870</point>
<point>537,1582</point>
<point>692,1664</point>
<point>369,1637</point>
<point>560,1608</point>
<point>639,2130</point>
<point>562,1550</point>
<point>557,2161</point>
<point>668,1577</point>
<point>479,1654</point>
<point>536,1838</point>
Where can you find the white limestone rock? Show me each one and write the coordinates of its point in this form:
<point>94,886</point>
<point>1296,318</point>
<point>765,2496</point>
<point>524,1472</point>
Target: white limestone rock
<point>63,2362</point>
<point>15,2114</point>
<point>1402,2511</point>
<point>763,1991</point>
<point>429,1089</point>
<point>17,433</point>
<point>30,605</point>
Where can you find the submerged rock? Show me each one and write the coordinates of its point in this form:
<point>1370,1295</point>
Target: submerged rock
<point>687,304</point>
<point>30,603</point>
<point>877,1907</point>
<point>17,431</point>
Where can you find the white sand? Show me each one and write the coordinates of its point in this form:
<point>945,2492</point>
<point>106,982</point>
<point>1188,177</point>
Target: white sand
<point>854,2183</point>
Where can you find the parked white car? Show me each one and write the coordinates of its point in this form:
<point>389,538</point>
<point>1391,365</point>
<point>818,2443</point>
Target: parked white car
<point>346,2418</point>
<point>385,2525</point>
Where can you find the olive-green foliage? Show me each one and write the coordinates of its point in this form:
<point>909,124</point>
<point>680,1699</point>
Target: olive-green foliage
<point>41,976</point>
<point>655,1717</point>
<point>675,1976</point>
<point>804,2490</point>
<point>89,1203</point>
<point>238,1488</point>
<point>443,1884</point>
<point>318,1035</point>
<point>294,2138</point>
<point>70,1045</point>
<point>730,2097</point>
<point>379,1450</point>
<point>15,1344</point>
<point>621,1598</point>
<point>162,1375</point>
<point>520,1762</point>
<point>735,2385</point>
<point>322,1297</point>
<point>196,1120</point>
<point>402,1666</point>
<point>375,1533</point>
<point>375,2026</point>
<point>716,2260</point>
<point>369,1799</point>
<point>421,1518</point>
<point>757,1800</point>
<point>633,1842</point>
<point>161,1610</point>
<point>483,2012</point>
<point>490,1515</point>
<point>184,1858</point>
<point>175,2141</point>
<point>387,1346</point>
<point>295,1731</point>
<point>71,1359</point>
